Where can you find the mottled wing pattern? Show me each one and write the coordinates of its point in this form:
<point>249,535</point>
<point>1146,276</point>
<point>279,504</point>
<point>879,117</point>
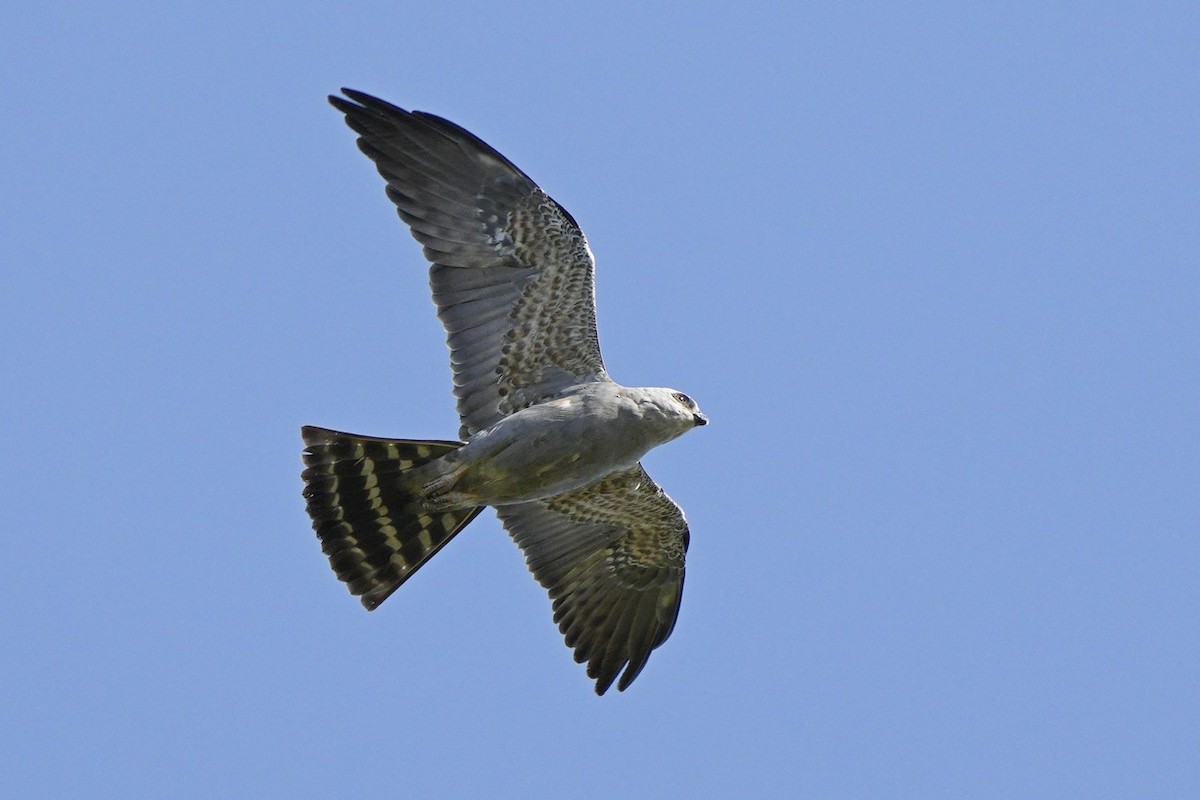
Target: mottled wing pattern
<point>375,532</point>
<point>611,556</point>
<point>512,274</point>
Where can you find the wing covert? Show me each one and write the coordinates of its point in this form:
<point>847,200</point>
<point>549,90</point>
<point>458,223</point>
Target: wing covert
<point>512,274</point>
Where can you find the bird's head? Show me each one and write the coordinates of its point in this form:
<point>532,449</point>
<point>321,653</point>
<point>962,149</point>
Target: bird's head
<point>679,411</point>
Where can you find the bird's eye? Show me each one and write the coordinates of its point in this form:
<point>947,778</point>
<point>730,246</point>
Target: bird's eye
<point>683,398</point>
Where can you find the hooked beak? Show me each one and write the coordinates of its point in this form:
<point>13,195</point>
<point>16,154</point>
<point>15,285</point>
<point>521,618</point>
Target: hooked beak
<point>699,419</point>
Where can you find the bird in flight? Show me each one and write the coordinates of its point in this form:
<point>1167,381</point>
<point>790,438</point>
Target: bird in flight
<point>547,438</point>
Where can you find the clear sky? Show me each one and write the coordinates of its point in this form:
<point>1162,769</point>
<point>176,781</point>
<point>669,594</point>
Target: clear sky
<point>932,270</point>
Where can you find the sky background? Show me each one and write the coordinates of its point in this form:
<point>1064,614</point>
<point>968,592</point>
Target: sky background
<point>933,271</point>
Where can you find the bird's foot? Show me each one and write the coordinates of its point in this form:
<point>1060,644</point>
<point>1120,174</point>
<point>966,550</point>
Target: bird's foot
<point>438,494</point>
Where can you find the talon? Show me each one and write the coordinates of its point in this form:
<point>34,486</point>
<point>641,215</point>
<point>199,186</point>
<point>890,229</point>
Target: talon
<point>447,502</point>
<point>443,483</point>
<point>437,492</point>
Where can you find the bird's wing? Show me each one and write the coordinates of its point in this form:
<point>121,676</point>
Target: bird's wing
<point>611,556</point>
<point>512,274</point>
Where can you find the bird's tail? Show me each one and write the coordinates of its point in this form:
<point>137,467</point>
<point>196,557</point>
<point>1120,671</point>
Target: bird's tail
<point>370,521</point>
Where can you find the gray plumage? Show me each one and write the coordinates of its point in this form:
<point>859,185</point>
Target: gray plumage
<point>549,439</point>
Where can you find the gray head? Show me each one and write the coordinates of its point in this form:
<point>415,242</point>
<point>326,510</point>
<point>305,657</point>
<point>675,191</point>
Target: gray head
<point>678,411</point>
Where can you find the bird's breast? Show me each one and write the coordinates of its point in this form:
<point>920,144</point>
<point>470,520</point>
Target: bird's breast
<point>549,449</point>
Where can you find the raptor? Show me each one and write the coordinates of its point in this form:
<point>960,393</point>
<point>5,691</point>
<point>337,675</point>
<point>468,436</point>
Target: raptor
<point>547,437</point>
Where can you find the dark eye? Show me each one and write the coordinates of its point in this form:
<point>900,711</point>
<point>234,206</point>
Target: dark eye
<point>683,398</point>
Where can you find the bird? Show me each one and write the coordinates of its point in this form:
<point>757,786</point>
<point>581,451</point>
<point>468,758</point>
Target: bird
<point>547,438</point>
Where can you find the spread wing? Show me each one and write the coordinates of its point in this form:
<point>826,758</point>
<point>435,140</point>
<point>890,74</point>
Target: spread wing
<point>512,274</point>
<point>611,556</point>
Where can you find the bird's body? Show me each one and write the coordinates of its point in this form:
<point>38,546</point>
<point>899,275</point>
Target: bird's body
<point>550,440</point>
<point>557,446</point>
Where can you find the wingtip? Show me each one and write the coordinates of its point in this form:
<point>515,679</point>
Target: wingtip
<point>342,104</point>
<point>605,682</point>
<point>628,676</point>
<point>627,671</point>
<point>360,107</point>
<point>370,102</point>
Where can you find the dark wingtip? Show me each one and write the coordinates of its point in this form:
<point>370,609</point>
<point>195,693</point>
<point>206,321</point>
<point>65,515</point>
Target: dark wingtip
<point>346,106</point>
<point>360,97</point>
<point>368,102</point>
<point>629,674</point>
<point>604,682</point>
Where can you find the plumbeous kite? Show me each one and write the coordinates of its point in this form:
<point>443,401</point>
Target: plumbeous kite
<point>549,439</point>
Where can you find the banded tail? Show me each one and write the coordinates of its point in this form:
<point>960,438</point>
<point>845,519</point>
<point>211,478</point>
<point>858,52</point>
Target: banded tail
<point>372,527</point>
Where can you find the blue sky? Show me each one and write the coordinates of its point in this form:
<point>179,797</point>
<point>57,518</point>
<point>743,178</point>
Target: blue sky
<point>932,271</point>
